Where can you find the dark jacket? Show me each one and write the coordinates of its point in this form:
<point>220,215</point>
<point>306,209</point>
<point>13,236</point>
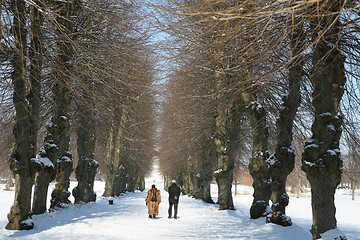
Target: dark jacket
<point>174,193</point>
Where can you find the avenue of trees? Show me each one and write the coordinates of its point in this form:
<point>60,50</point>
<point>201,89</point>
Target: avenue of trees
<point>255,78</point>
<point>76,83</point>
<point>267,86</point>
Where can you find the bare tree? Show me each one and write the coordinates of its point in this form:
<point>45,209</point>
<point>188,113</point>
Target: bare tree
<point>321,157</point>
<point>130,135</point>
<point>22,161</point>
<point>282,162</point>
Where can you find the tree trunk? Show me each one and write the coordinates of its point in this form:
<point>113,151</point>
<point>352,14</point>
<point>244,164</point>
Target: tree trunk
<point>9,181</point>
<point>236,184</point>
<point>321,158</point>
<point>86,169</point>
<point>227,129</point>
<point>63,158</point>
<point>193,178</point>
<point>223,174</point>
<point>282,162</point>
<point>120,181</point>
<point>42,180</point>
<point>62,75</point>
<point>46,174</point>
<point>85,174</point>
<point>187,184</point>
<point>35,56</point>
<point>221,138</point>
<point>206,174</point>
<point>60,195</point>
<point>131,181</point>
<point>140,183</point>
<point>20,212</point>
<point>110,171</point>
<point>298,189</point>
<point>115,181</point>
<point>208,167</point>
<point>47,156</point>
<point>222,112</point>
<point>353,177</point>
<point>258,166</point>
<point>22,161</point>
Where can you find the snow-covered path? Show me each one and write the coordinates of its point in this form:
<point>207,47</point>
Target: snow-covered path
<point>127,219</point>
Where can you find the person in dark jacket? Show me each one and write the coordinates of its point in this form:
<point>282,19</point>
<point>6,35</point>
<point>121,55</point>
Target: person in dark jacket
<point>174,194</point>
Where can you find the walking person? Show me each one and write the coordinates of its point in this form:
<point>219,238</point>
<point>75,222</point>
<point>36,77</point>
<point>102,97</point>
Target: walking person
<point>153,200</point>
<point>174,194</point>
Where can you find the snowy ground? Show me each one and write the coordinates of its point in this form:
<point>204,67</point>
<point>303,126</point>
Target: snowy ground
<point>127,219</point>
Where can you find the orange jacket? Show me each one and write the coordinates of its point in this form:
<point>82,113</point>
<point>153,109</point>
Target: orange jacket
<point>153,206</point>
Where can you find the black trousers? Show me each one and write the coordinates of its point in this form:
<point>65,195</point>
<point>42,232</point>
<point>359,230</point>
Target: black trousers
<point>175,209</point>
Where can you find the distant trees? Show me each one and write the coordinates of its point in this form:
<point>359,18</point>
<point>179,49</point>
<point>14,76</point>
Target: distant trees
<point>220,56</point>
<point>84,60</point>
<point>187,152</point>
<point>238,73</point>
<point>261,59</point>
<point>127,125</point>
<point>55,154</point>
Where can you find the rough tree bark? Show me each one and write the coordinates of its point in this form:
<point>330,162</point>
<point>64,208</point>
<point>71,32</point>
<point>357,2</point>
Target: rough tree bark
<point>86,169</point>
<point>87,165</point>
<point>46,174</point>
<point>131,179</point>
<point>321,157</point>
<point>62,75</point>
<point>47,155</point>
<point>112,166</point>
<point>221,136</point>
<point>115,181</point>
<point>258,166</point>
<point>50,152</point>
<point>204,174</point>
<point>207,174</point>
<point>194,176</point>
<point>225,164</point>
<point>226,147</point>
<point>109,185</point>
<point>120,180</point>
<point>282,161</point>
<point>36,58</point>
<point>186,182</point>
<point>22,161</point>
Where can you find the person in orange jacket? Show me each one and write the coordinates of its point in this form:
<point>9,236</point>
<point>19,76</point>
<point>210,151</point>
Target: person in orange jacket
<point>153,200</point>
